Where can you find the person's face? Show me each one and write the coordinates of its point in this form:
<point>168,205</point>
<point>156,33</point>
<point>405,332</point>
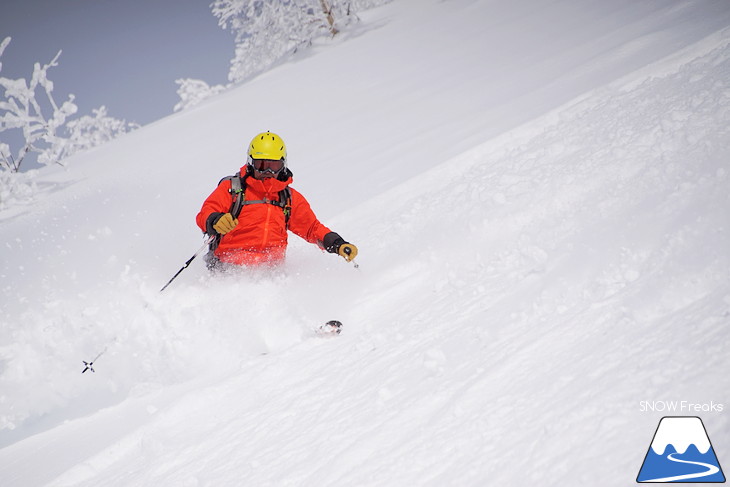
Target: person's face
<point>266,168</point>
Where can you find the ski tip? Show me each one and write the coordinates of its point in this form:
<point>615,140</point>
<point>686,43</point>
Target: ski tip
<point>332,327</point>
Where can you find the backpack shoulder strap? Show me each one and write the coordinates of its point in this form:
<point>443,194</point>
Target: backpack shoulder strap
<point>285,202</point>
<point>237,191</point>
<point>238,194</point>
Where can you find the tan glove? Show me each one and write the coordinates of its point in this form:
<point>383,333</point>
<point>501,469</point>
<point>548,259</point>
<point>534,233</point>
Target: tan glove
<point>347,251</point>
<point>225,224</point>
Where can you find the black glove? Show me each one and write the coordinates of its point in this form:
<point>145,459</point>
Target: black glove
<point>335,244</point>
<point>220,223</point>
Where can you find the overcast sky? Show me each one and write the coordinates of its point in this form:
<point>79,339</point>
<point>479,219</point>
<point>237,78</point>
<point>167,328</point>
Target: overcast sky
<point>125,54</point>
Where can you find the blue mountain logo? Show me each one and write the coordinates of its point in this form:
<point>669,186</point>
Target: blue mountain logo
<point>681,452</point>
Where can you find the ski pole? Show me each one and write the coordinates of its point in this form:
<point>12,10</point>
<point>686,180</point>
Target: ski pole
<point>200,250</point>
<point>348,251</point>
<point>90,365</point>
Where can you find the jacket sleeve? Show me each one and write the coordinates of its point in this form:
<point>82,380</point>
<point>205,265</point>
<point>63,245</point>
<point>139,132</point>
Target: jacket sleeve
<point>218,202</point>
<point>303,221</point>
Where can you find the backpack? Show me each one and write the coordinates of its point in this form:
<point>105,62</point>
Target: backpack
<point>238,195</point>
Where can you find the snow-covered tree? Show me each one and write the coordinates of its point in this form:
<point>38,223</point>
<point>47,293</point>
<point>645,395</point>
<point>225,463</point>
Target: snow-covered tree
<point>268,30</point>
<point>265,31</point>
<point>193,91</point>
<point>20,109</point>
<point>45,125</point>
<point>89,131</point>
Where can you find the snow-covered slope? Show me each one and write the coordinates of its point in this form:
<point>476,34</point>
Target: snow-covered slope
<point>541,198</point>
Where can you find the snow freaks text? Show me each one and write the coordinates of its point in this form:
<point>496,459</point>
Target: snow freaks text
<point>682,407</point>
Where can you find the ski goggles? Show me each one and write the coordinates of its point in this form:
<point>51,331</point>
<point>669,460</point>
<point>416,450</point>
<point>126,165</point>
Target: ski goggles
<point>268,165</point>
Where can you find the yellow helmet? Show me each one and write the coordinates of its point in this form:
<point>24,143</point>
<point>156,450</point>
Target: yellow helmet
<point>267,145</point>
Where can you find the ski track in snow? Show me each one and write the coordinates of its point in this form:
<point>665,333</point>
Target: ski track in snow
<point>501,329</point>
<point>711,470</point>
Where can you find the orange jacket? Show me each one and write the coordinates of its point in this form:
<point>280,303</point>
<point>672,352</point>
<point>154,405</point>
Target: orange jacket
<point>261,234</point>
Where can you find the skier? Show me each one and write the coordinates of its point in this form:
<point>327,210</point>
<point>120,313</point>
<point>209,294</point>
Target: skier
<point>249,213</point>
